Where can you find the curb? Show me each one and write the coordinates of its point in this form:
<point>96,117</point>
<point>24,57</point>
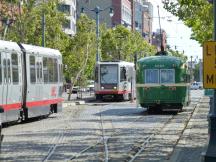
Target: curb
<point>72,103</point>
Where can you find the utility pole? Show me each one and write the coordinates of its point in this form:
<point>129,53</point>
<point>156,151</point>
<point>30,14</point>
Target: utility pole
<point>43,27</point>
<point>97,11</point>
<point>191,71</point>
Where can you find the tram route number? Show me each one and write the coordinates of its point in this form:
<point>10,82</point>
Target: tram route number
<point>209,64</point>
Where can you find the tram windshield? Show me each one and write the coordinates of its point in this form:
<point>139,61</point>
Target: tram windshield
<point>109,74</point>
<point>155,76</point>
<point>167,76</point>
<point>152,76</point>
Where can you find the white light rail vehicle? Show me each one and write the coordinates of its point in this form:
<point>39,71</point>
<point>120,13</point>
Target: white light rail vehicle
<point>115,80</point>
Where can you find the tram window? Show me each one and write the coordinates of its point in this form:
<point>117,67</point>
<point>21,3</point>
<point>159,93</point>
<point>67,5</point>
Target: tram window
<point>45,70</point>
<point>41,76</point>
<point>38,72</point>
<point>9,70</point>
<point>15,70</point>
<point>152,76</point>
<point>32,69</point>
<point>0,70</point>
<point>109,74</point>
<point>167,76</point>
<point>55,70</point>
<point>123,74</point>
<point>50,69</point>
<point>5,69</point>
<point>61,72</point>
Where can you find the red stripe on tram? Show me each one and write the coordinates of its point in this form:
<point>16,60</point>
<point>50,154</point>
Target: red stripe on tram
<point>16,106</point>
<point>111,92</point>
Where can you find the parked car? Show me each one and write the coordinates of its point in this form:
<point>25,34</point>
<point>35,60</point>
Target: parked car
<point>195,86</point>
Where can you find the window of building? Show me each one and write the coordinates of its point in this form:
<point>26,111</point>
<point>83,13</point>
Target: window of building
<point>15,69</point>
<point>152,76</point>
<point>64,8</point>
<point>67,24</point>
<point>32,69</point>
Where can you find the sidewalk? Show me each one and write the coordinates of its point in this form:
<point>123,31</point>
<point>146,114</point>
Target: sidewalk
<point>194,139</point>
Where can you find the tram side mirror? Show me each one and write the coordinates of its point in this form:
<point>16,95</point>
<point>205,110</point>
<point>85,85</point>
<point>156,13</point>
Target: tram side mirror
<point>1,109</point>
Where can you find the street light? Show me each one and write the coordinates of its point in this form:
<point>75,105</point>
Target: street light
<point>97,11</point>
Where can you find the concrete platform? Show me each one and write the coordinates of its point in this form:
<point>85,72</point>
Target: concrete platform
<point>195,138</point>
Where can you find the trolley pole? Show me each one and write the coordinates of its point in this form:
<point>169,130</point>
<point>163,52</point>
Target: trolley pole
<point>210,154</point>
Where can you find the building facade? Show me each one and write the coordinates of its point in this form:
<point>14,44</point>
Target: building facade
<point>147,21</point>
<point>159,39</point>
<point>69,8</point>
<point>121,9</point>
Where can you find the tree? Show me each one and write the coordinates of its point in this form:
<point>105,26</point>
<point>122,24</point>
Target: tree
<point>177,54</point>
<point>121,43</point>
<point>80,53</point>
<point>196,14</point>
<point>27,26</point>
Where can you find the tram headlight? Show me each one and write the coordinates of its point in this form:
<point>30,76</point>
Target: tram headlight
<point>102,87</point>
<point>114,87</point>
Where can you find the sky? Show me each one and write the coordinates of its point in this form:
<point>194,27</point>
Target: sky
<point>177,33</point>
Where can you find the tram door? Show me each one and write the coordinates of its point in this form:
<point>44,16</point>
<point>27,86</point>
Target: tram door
<point>6,82</point>
<point>1,79</point>
<point>39,85</point>
<point>11,91</point>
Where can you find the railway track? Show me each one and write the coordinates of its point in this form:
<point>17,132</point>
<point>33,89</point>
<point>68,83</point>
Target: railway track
<point>104,142</point>
<point>132,157</point>
<point>109,135</point>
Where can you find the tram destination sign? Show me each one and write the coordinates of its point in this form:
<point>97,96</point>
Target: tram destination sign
<point>209,64</point>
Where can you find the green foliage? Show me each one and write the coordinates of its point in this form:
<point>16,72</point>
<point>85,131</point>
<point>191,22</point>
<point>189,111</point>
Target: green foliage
<point>121,43</point>
<point>196,14</point>
<point>75,54</point>
<point>28,25</point>
<point>177,54</point>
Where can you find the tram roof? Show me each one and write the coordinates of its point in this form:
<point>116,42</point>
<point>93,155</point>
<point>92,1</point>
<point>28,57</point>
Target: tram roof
<point>161,60</point>
<point>115,62</point>
<point>11,46</point>
<point>42,50</point>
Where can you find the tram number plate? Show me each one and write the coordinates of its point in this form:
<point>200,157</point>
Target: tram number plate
<point>209,64</point>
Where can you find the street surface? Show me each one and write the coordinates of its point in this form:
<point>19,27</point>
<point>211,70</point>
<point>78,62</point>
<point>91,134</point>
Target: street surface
<point>106,131</point>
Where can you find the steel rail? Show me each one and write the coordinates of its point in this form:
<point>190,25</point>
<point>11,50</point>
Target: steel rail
<point>158,131</point>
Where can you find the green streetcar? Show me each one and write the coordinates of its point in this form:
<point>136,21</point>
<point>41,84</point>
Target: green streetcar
<point>162,83</point>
